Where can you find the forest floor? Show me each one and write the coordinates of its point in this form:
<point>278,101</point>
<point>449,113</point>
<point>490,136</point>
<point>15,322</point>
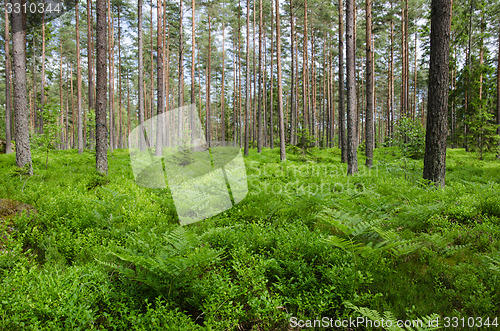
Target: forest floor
<point>307,242</point>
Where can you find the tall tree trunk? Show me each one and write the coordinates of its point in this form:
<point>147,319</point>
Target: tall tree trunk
<point>313,95</point>
<point>369,87</point>
<point>468,64</point>
<point>222,96</point>
<point>247,82</point>
<point>259,115</point>
<point>209,74</point>
<point>391,78</point>
<point>305,78</point>
<point>293,96</point>
<point>181,61</point>
<point>151,81</point>
<point>280,85</point>
<point>8,102</point>
<point>498,94</point>
<point>73,112</point>
<point>35,113</point>
<point>254,83</point>
<point>78,82</point>
<point>193,67</point>
<point>111,79</point>
<point>129,124</point>
<point>437,109</point>
<point>342,131</point>
<point>90,57</point>
<point>415,77</point>
<point>120,112</point>
<point>271,88</point>
<point>235,94</point>
<point>101,145</point>
<point>42,85</point>
<point>21,131</point>
<point>352,158</point>
<point>159,80</point>
<point>61,103</point>
<point>239,75</point>
<point>141,75</point>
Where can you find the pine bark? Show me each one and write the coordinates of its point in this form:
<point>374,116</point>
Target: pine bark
<point>42,85</point>
<point>8,101</point>
<point>498,94</point>
<point>369,87</point>
<point>280,85</point>
<point>247,82</point>
<point>21,131</point>
<point>437,109</point>
<point>342,130</point>
<point>222,96</point>
<point>181,60</point>
<point>140,84</point>
<point>159,80</point>
<point>271,88</point>
<point>352,158</point>
<point>111,80</point>
<point>259,115</point>
<point>61,116</point>
<point>120,91</point>
<point>101,87</point>
<point>90,63</point>
<point>209,74</point>
<point>193,67</point>
<point>293,96</point>
<point>78,82</point>
<point>305,79</point>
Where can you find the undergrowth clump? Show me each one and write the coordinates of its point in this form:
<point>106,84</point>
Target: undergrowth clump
<point>307,241</point>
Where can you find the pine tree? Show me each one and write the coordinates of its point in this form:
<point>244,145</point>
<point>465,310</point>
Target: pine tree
<point>101,87</point>
<point>437,124</point>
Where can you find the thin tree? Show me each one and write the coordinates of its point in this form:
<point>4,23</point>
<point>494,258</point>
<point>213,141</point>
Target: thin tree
<point>78,83</point>
<point>209,74</point>
<point>498,95</point>
<point>61,116</point>
<point>159,80</point>
<point>305,96</point>
<point>271,92</point>
<point>101,145</point>
<point>293,96</point>
<point>141,74</point>
<point>280,85</point>
<point>181,61</point>
<point>8,102</point>
<point>193,67</point>
<point>111,41</point>
<point>42,87</point>
<point>222,96</point>
<point>259,115</point>
<point>342,133</point>
<point>352,158</point>
<point>437,104</point>
<point>247,80</point>
<point>369,87</point>
<point>90,56</point>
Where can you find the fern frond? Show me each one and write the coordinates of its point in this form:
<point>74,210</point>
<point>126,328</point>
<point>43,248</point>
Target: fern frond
<point>392,323</point>
<point>345,244</point>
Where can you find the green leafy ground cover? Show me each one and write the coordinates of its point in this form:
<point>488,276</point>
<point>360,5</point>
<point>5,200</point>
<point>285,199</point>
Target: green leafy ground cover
<point>307,242</point>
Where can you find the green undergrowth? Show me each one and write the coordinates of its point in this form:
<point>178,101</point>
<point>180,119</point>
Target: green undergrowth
<point>307,242</point>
